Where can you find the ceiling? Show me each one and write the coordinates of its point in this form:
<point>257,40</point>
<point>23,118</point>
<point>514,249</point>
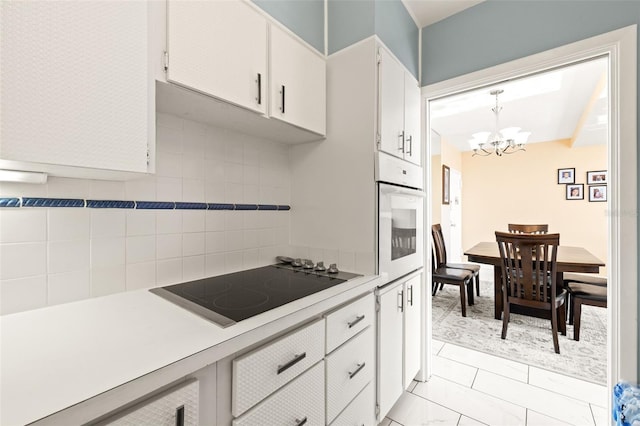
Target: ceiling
<point>566,103</point>
<point>426,12</point>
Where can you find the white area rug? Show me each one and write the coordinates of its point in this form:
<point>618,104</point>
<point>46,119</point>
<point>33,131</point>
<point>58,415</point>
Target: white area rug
<point>529,340</point>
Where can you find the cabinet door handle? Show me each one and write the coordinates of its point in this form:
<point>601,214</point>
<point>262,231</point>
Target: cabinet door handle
<point>357,370</point>
<point>410,139</point>
<point>410,295</point>
<point>401,301</point>
<point>282,99</point>
<point>401,136</point>
<point>180,416</point>
<point>355,321</point>
<point>301,422</point>
<point>259,81</point>
<point>296,359</point>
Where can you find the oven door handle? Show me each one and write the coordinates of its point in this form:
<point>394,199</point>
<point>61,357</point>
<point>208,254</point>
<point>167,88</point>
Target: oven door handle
<point>401,190</point>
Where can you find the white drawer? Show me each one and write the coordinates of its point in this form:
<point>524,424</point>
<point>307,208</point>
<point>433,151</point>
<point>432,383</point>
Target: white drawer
<point>266,369</point>
<point>163,410</point>
<point>299,402</point>
<point>361,411</point>
<point>349,369</point>
<point>349,320</point>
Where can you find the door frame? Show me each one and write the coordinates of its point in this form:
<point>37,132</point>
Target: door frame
<point>621,48</point>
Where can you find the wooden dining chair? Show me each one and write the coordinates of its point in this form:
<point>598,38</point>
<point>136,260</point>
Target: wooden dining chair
<point>584,290</point>
<point>460,277</point>
<point>517,228</point>
<point>529,278</point>
<point>441,257</point>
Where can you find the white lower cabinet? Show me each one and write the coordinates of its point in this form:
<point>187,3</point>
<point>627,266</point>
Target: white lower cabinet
<point>260,372</point>
<point>361,410</point>
<point>399,338</point>
<point>299,402</point>
<point>177,407</point>
<point>349,369</point>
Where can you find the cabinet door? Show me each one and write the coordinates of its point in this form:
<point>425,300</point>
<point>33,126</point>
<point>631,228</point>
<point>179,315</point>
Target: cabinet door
<point>390,345</point>
<point>412,334</point>
<point>412,151</point>
<point>219,48</point>
<point>75,84</point>
<point>391,105</point>
<point>298,83</point>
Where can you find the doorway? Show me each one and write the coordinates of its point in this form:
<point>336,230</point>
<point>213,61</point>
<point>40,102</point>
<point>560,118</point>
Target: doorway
<point>620,47</point>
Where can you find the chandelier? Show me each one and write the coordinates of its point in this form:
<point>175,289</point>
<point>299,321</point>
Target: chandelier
<point>505,141</point>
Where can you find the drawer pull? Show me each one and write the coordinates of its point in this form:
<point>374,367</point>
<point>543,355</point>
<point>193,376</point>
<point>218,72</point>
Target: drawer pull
<point>355,321</point>
<point>180,416</point>
<point>360,367</point>
<point>301,422</point>
<point>296,359</point>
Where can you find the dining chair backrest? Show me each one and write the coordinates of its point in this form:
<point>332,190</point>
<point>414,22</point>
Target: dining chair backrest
<point>528,229</point>
<point>438,245</point>
<point>529,267</point>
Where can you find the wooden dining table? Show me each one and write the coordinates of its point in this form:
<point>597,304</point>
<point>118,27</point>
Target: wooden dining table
<point>570,259</point>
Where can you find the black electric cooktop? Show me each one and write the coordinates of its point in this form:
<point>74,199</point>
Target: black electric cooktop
<point>227,299</point>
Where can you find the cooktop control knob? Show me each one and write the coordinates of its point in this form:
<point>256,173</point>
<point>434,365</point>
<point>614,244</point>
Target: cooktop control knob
<point>333,269</point>
<point>308,264</point>
<point>320,267</point>
<point>297,262</point>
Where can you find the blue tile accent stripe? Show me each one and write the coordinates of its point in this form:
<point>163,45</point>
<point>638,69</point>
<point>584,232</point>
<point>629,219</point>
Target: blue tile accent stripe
<point>110,204</point>
<point>218,206</point>
<point>124,204</point>
<point>246,207</point>
<point>156,205</point>
<point>267,207</point>
<point>52,202</point>
<point>9,202</point>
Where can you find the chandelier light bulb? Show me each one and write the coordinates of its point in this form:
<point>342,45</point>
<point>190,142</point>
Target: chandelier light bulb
<point>505,141</point>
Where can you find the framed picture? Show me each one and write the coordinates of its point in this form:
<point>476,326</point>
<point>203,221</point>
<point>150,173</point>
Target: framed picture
<point>598,193</point>
<point>598,177</point>
<point>575,191</point>
<point>567,175</point>
<point>445,184</point>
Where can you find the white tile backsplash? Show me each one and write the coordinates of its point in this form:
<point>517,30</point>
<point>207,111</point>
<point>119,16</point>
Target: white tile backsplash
<point>23,294</point>
<point>21,260</point>
<point>104,251</point>
<point>22,226</point>
<point>68,286</point>
<point>69,224</point>
<point>67,256</point>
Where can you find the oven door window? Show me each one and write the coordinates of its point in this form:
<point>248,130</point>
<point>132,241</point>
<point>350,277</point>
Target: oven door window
<point>403,233</point>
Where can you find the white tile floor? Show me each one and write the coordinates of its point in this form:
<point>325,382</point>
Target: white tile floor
<point>473,388</point>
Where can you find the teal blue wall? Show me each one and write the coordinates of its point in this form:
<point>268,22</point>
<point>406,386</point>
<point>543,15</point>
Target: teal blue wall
<point>353,20</point>
<point>349,22</point>
<point>494,32</point>
<point>304,17</point>
<point>398,32</point>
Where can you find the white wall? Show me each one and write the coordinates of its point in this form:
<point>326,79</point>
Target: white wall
<point>57,255</point>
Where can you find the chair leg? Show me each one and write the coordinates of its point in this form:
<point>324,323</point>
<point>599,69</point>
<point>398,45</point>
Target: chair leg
<point>478,283</point>
<point>562,320</point>
<point>554,330</point>
<point>470,291</point>
<point>570,308</point>
<point>577,308</point>
<point>505,321</point>
<point>434,288</point>
<point>463,299</point>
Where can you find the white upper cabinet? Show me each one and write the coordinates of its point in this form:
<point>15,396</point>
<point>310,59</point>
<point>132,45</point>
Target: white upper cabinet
<point>298,83</point>
<point>77,98</point>
<point>231,51</point>
<point>219,48</point>
<point>399,109</point>
<point>412,145</point>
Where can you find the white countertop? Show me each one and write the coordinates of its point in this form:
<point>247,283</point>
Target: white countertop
<point>56,357</point>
